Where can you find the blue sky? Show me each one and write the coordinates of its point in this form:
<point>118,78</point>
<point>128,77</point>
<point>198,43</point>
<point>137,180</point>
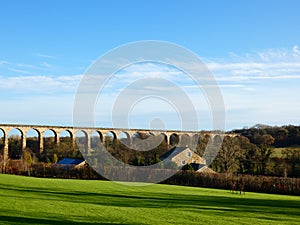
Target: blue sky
<point>252,48</point>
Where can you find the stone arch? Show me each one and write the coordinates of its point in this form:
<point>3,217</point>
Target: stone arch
<point>165,137</point>
<point>33,138</point>
<point>96,138</point>
<point>135,135</point>
<point>111,134</point>
<point>50,138</point>
<point>185,140</point>
<point>124,138</point>
<point>174,139</point>
<point>226,136</point>
<point>157,139</point>
<point>66,141</point>
<point>235,138</point>
<point>195,139</point>
<point>109,139</point>
<point>140,135</point>
<point>202,143</point>
<point>205,138</point>
<point>81,133</point>
<point>16,143</point>
<point>2,143</point>
<point>65,135</point>
<point>136,138</point>
<point>217,139</point>
<point>82,140</point>
<point>123,134</point>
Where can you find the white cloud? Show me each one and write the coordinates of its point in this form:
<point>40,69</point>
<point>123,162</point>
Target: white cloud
<point>19,71</point>
<point>44,55</point>
<point>16,69</point>
<point>266,89</point>
<point>247,82</point>
<point>257,87</point>
<point>252,65</point>
<point>26,66</point>
<point>296,50</point>
<point>33,69</point>
<point>196,87</point>
<point>39,84</point>
<point>47,65</point>
<point>270,64</point>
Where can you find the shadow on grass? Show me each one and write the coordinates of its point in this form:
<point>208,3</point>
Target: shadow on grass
<point>134,199</point>
<point>231,204</point>
<point>26,220</point>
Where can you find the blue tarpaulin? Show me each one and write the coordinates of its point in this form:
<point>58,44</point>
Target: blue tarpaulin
<point>68,161</point>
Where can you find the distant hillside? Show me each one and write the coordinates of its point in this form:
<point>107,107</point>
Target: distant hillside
<point>284,136</point>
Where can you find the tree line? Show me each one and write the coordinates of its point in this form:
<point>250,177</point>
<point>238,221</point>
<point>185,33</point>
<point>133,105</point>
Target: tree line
<point>270,150</point>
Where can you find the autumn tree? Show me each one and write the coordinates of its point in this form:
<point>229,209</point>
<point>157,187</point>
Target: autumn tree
<point>27,159</point>
<point>265,152</point>
<point>292,157</point>
<point>251,154</point>
<point>230,155</point>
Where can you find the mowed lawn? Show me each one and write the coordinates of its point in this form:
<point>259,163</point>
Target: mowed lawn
<point>26,200</point>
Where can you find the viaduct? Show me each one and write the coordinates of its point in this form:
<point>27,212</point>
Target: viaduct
<point>87,131</point>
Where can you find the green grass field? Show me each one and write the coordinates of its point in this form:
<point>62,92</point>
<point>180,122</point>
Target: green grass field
<point>25,200</point>
<point>277,152</point>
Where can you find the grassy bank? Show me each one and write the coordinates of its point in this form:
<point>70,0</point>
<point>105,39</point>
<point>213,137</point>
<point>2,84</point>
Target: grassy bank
<point>26,200</point>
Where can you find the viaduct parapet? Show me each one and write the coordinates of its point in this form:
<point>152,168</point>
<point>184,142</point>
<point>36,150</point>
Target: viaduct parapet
<point>87,131</point>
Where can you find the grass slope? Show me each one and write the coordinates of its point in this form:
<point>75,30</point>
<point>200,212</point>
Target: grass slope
<point>25,200</point>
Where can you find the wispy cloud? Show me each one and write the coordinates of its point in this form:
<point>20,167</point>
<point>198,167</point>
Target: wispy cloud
<point>219,85</point>
<point>44,55</point>
<point>47,65</point>
<point>19,71</point>
<point>3,62</point>
<point>272,77</point>
<point>39,84</point>
<point>28,66</point>
<point>261,65</point>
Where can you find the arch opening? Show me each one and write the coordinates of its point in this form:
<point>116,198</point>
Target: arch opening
<point>33,141</point>
<point>65,136</point>
<point>15,145</point>
<point>140,135</point>
<point>165,137</point>
<point>174,139</point>
<point>67,147</point>
<point>50,150</point>
<point>124,138</point>
<point>139,141</point>
<point>217,139</point>
<point>2,143</point>
<point>110,139</point>
<point>81,138</point>
<point>96,139</point>
<point>195,140</point>
<point>185,140</point>
<point>49,139</point>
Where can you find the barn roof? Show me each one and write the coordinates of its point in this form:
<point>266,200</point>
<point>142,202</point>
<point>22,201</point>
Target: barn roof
<point>69,161</point>
<point>173,152</point>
